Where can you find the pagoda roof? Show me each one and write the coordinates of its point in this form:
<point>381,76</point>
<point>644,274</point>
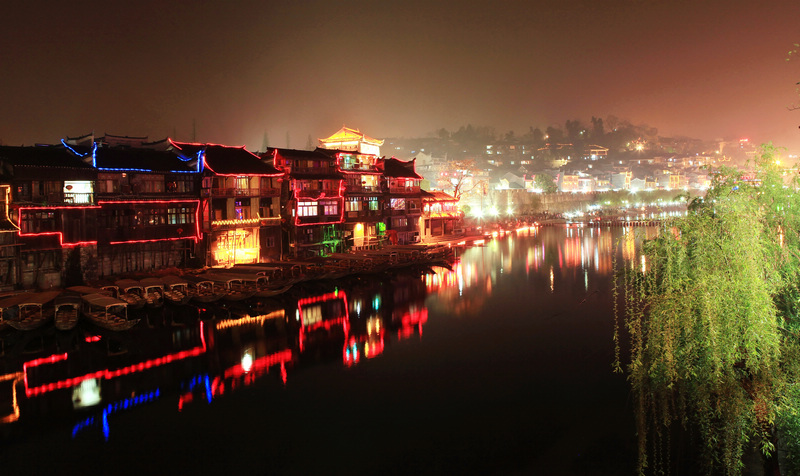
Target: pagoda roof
<point>399,169</point>
<point>346,134</point>
<point>228,160</point>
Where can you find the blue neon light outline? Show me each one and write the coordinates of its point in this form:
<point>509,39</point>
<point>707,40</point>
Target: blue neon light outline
<point>64,143</point>
<point>199,167</point>
<point>113,408</point>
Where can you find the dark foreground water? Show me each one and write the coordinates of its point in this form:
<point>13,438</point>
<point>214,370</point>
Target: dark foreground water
<point>500,366</point>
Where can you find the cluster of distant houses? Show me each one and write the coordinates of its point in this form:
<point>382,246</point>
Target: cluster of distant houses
<point>92,207</point>
<point>591,171</point>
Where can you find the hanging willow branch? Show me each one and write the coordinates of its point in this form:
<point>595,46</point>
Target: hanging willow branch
<point>707,337</point>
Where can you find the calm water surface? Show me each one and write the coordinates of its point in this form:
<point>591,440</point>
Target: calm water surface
<point>500,366</point>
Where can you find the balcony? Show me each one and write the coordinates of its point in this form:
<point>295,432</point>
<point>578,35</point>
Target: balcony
<point>238,192</point>
<point>317,194</point>
<point>404,190</point>
<point>362,188</point>
<point>60,198</point>
<point>318,220</point>
<point>363,215</point>
<point>233,224</point>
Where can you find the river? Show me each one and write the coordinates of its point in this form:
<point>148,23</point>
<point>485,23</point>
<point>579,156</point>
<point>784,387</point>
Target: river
<point>502,365</point>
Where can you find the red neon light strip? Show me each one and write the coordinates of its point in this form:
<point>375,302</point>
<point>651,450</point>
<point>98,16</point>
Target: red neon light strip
<point>328,323</point>
<point>195,238</point>
<point>105,373</point>
<point>260,364</point>
<point>57,233</point>
<point>185,200</point>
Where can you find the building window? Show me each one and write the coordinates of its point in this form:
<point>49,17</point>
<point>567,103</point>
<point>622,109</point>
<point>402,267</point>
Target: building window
<point>373,203</point>
<point>331,209</point>
<point>307,209</point>
<point>352,205</point>
<point>180,215</point>
<point>153,184</point>
<point>242,210</point>
<point>39,222</point>
<point>398,203</point>
<point>156,216</point>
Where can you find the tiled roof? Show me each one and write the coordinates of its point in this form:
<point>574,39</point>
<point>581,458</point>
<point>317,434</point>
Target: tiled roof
<point>399,169</point>
<point>438,196</point>
<point>44,162</point>
<point>124,158</point>
<point>346,134</point>
<point>227,160</point>
<point>42,156</point>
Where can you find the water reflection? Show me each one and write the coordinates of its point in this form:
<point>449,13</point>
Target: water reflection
<point>478,339</point>
<point>194,355</point>
<point>585,252</point>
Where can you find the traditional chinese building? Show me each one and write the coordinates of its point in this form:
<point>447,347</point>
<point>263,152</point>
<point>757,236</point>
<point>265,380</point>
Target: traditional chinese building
<point>402,201</point>
<point>149,204</point>
<point>362,197</point>
<point>240,205</point>
<point>440,215</point>
<point>48,215</point>
<point>352,140</point>
<point>312,204</point>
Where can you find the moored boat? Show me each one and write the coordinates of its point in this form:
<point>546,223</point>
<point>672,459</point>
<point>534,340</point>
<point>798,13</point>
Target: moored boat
<point>203,290</point>
<point>176,289</point>
<point>153,291</point>
<point>237,287</point>
<point>30,310</point>
<point>132,292</point>
<point>67,310</point>
<point>107,312</point>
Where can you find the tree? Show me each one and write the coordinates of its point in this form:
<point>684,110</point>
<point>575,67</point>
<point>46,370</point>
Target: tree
<point>460,177</point>
<point>545,183</point>
<point>554,135</point>
<point>598,132</point>
<point>573,129</point>
<point>713,323</point>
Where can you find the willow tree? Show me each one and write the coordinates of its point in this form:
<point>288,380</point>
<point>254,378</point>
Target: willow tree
<point>712,323</point>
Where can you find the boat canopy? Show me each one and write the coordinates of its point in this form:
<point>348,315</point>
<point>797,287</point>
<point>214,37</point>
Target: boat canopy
<point>171,280</point>
<point>23,299</point>
<point>152,282</point>
<point>126,284</point>
<point>101,300</point>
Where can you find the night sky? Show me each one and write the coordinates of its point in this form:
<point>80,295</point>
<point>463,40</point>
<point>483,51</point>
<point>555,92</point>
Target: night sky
<point>233,71</point>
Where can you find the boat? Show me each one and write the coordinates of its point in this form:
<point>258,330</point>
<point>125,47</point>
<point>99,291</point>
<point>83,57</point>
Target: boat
<point>67,310</point>
<point>237,287</point>
<point>269,291</point>
<point>176,290</point>
<point>28,311</point>
<point>132,292</point>
<point>204,291</point>
<point>107,312</point>
<point>153,291</point>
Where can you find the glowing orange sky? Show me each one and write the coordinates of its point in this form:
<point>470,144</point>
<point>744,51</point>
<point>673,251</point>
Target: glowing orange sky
<point>705,69</point>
